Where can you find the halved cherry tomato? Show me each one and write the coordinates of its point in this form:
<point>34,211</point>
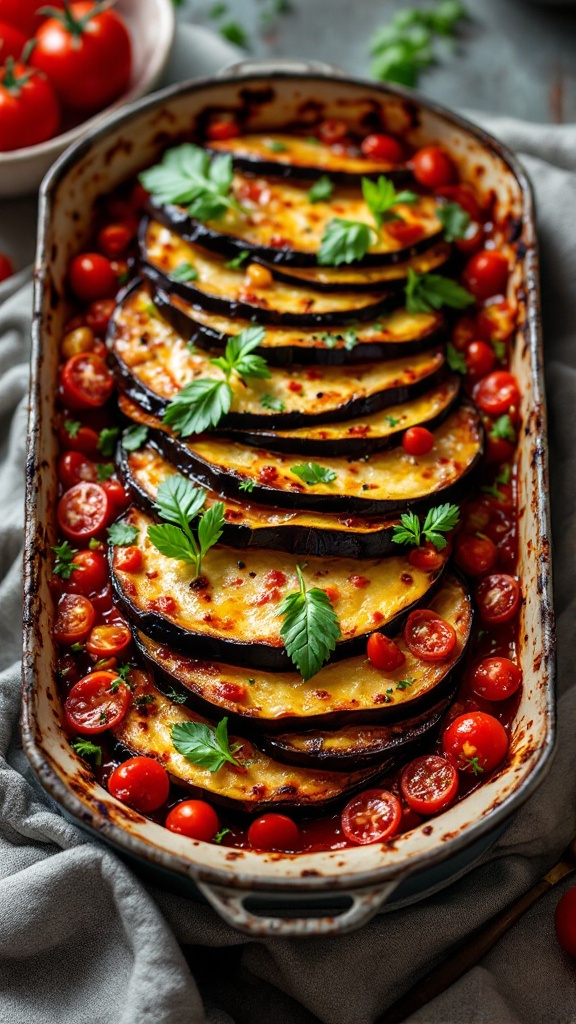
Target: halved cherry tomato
<point>426,557</point>
<point>74,467</point>
<point>86,381</point>
<point>222,129</point>
<point>382,147</point>
<point>497,393</point>
<point>79,438</point>
<point>98,315</point>
<point>108,639</point>
<point>406,234</point>
<point>486,274</point>
<point>495,678</point>
<point>91,277</point>
<point>433,167</point>
<point>429,784</point>
<point>114,239</point>
<point>565,922</point>
<point>83,511</point>
<point>480,358</point>
<point>274,832</point>
<point>12,42</point>
<point>6,267</point>
<point>195,819</point>
<point>128,559</point>
<point>429,637</point>
<point>94,704</point>
<point>140,782</point>
<point>91,574</point>
<point>383,653</point>
<point>498,598</point>
<point>371,817</point>
<point>74,619</point>
<point>116,494</point>
<point>332,130</point>
<point>475,555</point>
<point>417,441</point>
<point>475,742</point>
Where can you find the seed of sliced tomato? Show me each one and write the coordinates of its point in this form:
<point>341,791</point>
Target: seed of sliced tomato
<point>74,619</point>
<point>128,559</point>
<point>498,598</point>
<point>83,511</point>
<point>371,817</point>
<point>495,678</point>
<point>140,782</point>
<point>429,637</point>
<point>108,639</point>
<point>429,784</point>
<point>86,381</point>
<point>97,702</point>
<point>383,653</point>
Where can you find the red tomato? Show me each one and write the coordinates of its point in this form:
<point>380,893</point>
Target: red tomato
<point>79,438</point>
<point>23,14</point>
<point>475,555</point>
<point>476,742</point>
<point>274,832</point>
<point>94,704</point>
<point>86,54</point>
<point>371,817</point>
<point>116,494</point>
<point>129,559</point>
<point>91,277</point>
<point>417,441</point>
<point>222,129</point>
<point>92,572</point>
<point>114,239</point>
<point>83,511</point>
<point>406,234</point>
<point>12,42</point>
<point>480,358</point>
<point>74,619</point>
<point>29,109</point>
<point>195,819</point>
<point>498,450</point>
<point>108,639</point>
<point>429,637</point>
<point>472,240</point>
<point>429,784</point>
<point>486,274</point>
<point>433,167</point>
<point>426,557</point>
<point>497,393</point>
<point>464,196</point>
<point>6,267</point>
<point>382,147</point>
<point>495,678</point>
<point>565,921</point>
<point>74,467</point>
<point>332,130</point>
<point>463,333</point>
<point>383,653</point>
<point>86,381</point>
<point>498,598</point>
<point>98,315</point>
<point>140,782</point>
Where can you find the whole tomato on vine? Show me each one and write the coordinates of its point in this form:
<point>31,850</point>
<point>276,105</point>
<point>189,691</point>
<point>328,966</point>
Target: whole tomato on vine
<point>29,108</point>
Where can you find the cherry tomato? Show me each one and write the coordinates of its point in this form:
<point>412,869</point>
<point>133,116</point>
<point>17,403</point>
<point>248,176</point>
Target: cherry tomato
<point>128,559</point>
<point>496,321</point>
<point>91,277</point>
<point>565,921</point>
<point>74,619</point>
<point>74,467</point>
<point>464,196</point>
<point>86,54</point>
<point>463,333</point>
<point>222,129</point>
<point>78,437</point>
<point>472,240</point>
<point>498,450</point>
<point>98,315</point>
<point>332,130</point>
<point>429,637</point>
<point>486,274</point>
<point>498,598</point>
<point>114,239</point>
<point>433,167</point>
<point>92,572</point>
<point>195,819</point>
<point>274,832</point>
<point>12,42</point>
<point>406,234</point>
<point>383,653</point>
<point>6,267</point>
<point>475,555</point>
<point>371,817</point>
<point>429,784</point>
<point>83,511</point>
<point>480,358</point>
<point>426,557</point>
<point>108,639</point>
<point>140,782</point>
<point>495,678</point>
<point>417,441</point>
<point>86,381</point>
<point>94,704</point>
<point>476,742</point>
<point>116,494</point>
<point>497,393</point>
<point>24,14</point>
<point>382,147</point>
<point>29,109</point>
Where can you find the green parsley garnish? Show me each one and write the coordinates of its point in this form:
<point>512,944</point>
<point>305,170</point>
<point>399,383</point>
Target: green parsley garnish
<point>72,427</point>
<point>121,535</point>
<point>345,241</point>
<point>143,700</point>
<point>247,486</point>
<point>455,359</point>
<point>404,684</point>
<point>438,521</point>
<point>104,470</point>
<point>218,10</point>
<point>310,628</point>
<point>272,403</point>
<point>175,697</point>
<point>64,565</point>
<point>321,190</point>
<point>275,146</point>
<point>204,746</point>
<point>179,502</point>
<point>220,835</point>
<point>184,272</point>
<point>503,478</point>
<point>134,437</point>
<point>235,34</point>
<point>188,176</point>
<point>311,473</point>
<point>499,349</point>
<point>107,439</point>
<point>425,292</point>
<point>454,219</point>
<point>77,648</point>
<point>238,260</point>
<point>85,748</point>
<point>392,421</point>
<point>403,48</point>
<point>503,430</point>
<point>381,197</point>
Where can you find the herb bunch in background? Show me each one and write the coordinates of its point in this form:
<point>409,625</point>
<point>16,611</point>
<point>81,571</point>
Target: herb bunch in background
<point>405,47</point>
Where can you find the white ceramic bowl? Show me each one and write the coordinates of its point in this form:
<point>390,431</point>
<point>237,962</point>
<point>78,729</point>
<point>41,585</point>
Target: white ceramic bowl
<point>151,25</point>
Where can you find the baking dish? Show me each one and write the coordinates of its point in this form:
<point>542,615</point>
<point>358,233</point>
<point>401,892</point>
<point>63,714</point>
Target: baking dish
<point>281,894</point>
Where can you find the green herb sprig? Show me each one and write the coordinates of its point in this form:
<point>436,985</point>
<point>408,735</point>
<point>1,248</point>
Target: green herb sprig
<point>438,521</point>
<point>345,241</point>
<point>311,473</point>
<point>204,746</point>
<point>405,47</point>
<point>188,176</point>
<point>426,292</point>
<point>64,565</point>
<point>310,628</point>
<point>179,502</point>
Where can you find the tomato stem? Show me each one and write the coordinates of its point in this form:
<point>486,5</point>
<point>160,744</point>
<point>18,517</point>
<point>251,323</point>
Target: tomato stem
<point>76,26</point>
<point>10,79</point>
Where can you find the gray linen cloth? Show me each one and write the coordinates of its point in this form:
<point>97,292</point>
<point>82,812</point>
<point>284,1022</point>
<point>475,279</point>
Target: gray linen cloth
<point>82,941</point>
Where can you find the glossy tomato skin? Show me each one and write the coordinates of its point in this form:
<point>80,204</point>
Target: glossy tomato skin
<point>114,239</point>
<point>140,782</point>
<point>274,832</point>
<point>98,315</point>
<point>83,511</point>
<point>429,637</point>
<point>382,147</point>
<point>97,702</point>
<point>332,130</point>
<point>24,14</point>
<point>371,817</point>
<point>86,381</point>
<point>195,819</point>
<point>498,598</point>
<point>406,234</point>
<point>91,68</point>
<point>486,274</point>
<point>12,42</point>
<point>384,653</point>
<point>29,109</point>
<point>497,393</point>
<point>475,742</point>
<point>426,557</point>
<point>108,639</point>
<point>91,575</point>
<point>433,168</point>
<point>74,467</point>
<point>565,921</point>
<point>128,559</point>
<point>480,358</point>
<point>417,441</point>
<point>476,555</point>
<point>220,130</point>
<point>429,784</point>
<point>495,678</point>
<point>117,496</point>
<point>84,439</point>
<point>91,277</point>
<point>75,617</point>
<point>6,267</point>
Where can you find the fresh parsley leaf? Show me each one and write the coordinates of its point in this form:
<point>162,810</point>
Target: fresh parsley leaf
<point>504,475</point>
<point>454,219</point>
<point>234,33</point>
<point>143,700</point>
<point>381,197</point>
<point>188,176</point>
<point>350,340</point>
<point>124,671</point>
<point>321,190</point>
<point>64,565</point>
<point>93,544</point>
<point>438,521</point>
<point>179,502</point>
<point>134,437</point>
<point>404,47</point>
<point>425,292</point>
<point>104,470</point>
<point>77,648</point>
<point>121,535</point>
<point>455,359</point>
<point>184,272</point>
<point>499,349</point>
<point>72,427</point>
<point>220,835</point>
<point>238,356</point>
<point>275,146</point>
<point>247,485</point>
<point>344,241</point>
<point>238,260</point>
<point>210,527</point>
<point>392,421</point>
<point>107,439</point>
<point>204,746</point>
<point>502,429</point>
<point>310,628</point>
<point>329,340</point>
<point>175,697</point>
<point>311,473</point>
<point>404,684</point>
<point>273,403</point>
<point>172,542</point>
<point>85,748</point>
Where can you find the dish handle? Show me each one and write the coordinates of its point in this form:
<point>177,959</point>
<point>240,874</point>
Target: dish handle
<point>270,67</point>
<point>283,915</point>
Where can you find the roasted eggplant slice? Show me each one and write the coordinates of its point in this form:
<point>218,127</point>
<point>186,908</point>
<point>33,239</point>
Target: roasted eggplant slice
<point>277,154</point>
<point>258,783</point>
<point>343,695</point>
<point>393,336</point>
<point>224,290</point>
<point>284,227</point>
<point>255,526</point>
<point>232,610</point>
<point>332,279</point>
<point>153,364</point>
